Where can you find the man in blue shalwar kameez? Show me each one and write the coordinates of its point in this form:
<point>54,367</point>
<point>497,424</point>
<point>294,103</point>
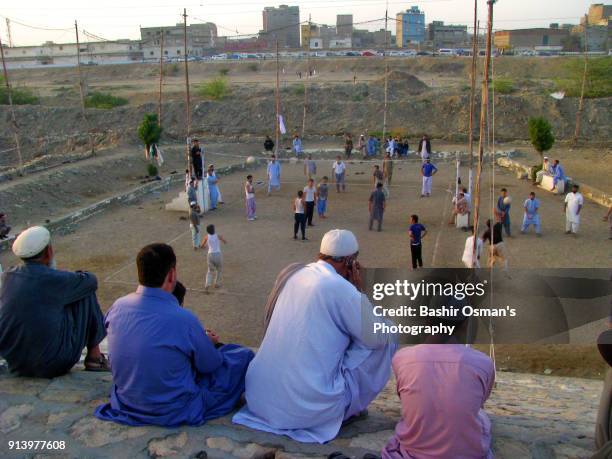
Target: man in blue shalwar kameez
<point>531,215</point>
<point>167,369</point>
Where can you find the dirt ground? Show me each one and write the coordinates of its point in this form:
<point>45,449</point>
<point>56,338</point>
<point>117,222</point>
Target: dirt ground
<point>257,251</point>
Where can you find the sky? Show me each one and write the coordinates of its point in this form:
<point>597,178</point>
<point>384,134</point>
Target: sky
<point>114,19</point>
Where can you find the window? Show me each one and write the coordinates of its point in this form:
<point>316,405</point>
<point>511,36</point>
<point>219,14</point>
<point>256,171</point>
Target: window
<point>166,52</point>
<point>178,52</point>
<point>150,53</point>
<point>61,48</point>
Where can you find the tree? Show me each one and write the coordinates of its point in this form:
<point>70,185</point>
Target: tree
<point>540,134</point>
<point>149,131</point>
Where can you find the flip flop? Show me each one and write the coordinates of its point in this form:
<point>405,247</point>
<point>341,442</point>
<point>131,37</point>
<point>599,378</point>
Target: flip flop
<point>100,364</point>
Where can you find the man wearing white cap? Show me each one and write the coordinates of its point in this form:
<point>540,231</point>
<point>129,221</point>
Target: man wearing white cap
<point>319,363</point>
<point>48,316</point>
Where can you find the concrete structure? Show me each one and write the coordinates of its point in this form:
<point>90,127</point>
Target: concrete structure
<point>410,27</point>
<point>282,24</point>
<point>340,43</point>
<point>598,28</point>
<point>201,40</point>
<point>446,35</point>
<point>344,25</point>
<point>65,54</point>
<point>368,39</point>
<point>529,38</point>
<point>599,14</point>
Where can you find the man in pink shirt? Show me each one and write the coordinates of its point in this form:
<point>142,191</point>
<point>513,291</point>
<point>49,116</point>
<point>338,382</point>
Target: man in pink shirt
<point>443,386</point>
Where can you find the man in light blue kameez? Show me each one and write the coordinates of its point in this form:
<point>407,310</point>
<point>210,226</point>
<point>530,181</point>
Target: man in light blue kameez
<point>319,363</point>
<point>531,216</point>
<point>274,174</point>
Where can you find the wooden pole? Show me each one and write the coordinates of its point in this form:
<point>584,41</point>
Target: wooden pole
<point>386,103</point>
<point>307,77</point>
<point>482,134</point>
<point>161,78</point>
<point>582,90</point>
<point>82,88</point>
<point>12,109</point>
<point>187,98</point>
<point>473,97</point>
<point>277,101</point>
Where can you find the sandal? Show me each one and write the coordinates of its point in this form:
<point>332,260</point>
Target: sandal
<point>99,364</point>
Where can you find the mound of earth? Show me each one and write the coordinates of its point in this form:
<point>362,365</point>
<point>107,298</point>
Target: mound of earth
<point>405,82</point>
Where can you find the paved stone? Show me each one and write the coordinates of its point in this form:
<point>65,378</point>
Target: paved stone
<point>95,433</point>
<point>167,446</point>
<point>10,419</point>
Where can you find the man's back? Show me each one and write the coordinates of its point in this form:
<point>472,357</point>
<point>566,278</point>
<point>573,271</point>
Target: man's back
<point>442,390</point>
<point>33,314</point>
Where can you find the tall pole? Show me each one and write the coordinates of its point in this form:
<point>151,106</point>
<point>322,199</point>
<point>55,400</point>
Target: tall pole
<point>386,104</point>
<point>307,76</point>
<point>8,32</point>
<point>584,77</point>
<point>161,77</point>
<point>81,87</point>
<point>187,98</point>
<point>482,134</point>
<point>473,96</point>
<point>13,118</point>
<point>277,101</point>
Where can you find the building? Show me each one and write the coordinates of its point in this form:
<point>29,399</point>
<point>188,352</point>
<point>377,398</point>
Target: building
<point>529,38</point>
<point>344,25</point>
<point>323,33</point>
<point>282,24</point>
<point>341,43</point>
<point>201,40</point>
<point>410,27</point>
<point>597,26</point>
<point>447,36</point>
<point>599,14</point>
<point>367,39</point>
<point>65,54</point>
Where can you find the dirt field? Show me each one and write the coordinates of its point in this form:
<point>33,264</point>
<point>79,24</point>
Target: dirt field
<point>257,251</point>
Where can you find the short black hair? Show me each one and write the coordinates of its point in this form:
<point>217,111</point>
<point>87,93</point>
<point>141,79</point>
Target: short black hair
<point>210,229</point>
<point>300,193</point>
<point>575,185</point>
<point>503,189</point>
<point>379,185</point>
<point>179,293</point>
<point>154,262</point>
<point>415,217</point>
<point>249,176</point>
<point>531,193</point>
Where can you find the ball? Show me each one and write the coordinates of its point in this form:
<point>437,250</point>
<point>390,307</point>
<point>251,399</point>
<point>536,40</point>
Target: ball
<point>507,200</point>
<point>251,160</point>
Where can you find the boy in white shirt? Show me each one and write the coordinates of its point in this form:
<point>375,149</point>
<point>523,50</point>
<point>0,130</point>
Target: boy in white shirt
<point>214,258</point>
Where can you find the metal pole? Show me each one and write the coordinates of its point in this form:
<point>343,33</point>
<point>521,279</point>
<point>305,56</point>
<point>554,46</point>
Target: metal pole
<point>386,104</point>
<point>482,135</point>
<point>161,78</point>
<point>277,94</point>
<point>187,98</point>
<point>473,97</point>
<point>13,118</point>
<point>307,77</point>
<point>584,76</point>
<point>81,87</point>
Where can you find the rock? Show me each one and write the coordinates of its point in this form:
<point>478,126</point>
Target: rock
<point>167,446</point>
<point>221,443</point>
<point>548,371</point>
<point>255,451</point>
<point>10,419</point>
<point>371,441</point>
<point>95,433</point>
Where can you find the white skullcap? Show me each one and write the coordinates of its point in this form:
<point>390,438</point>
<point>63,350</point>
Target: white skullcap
<point>545,157</point>
<point>31,242</point>
<point>339,243</point>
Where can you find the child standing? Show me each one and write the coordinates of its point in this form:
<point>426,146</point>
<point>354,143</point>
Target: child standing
<point>299,215</point>
<point>194,224</point>
<point>214,258</point>
<point>417,232</point>
<point>249,191</point>
<point>322,193</point>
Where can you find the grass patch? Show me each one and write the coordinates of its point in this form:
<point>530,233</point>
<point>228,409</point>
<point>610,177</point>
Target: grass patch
<point>598,80</point>
<point>171,70</point>
<point>253,67</point>
<point>298,89</point>
<point>503,86</point>
<point>20,96</point>
<point>215,89</point>
<point>224,71</point>
<point>104,101</point>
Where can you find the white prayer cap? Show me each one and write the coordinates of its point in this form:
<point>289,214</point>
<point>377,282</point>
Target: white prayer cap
<point>31,242</point>
<point>545,157</point>
<point>339,243</point>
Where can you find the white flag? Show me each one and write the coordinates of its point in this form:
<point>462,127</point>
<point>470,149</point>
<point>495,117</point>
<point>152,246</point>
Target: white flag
<point>281,124</point>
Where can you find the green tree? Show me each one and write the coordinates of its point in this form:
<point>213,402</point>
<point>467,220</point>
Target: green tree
<point>149,131</point>
<point>540,134</point>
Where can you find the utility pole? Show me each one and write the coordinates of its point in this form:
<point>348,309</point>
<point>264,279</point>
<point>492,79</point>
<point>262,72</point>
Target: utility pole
<point>473,97</point>
<point>307,76</point>
<point>277,100</point>
<point>161,77</point>
<point>484,105</point>
<point>584,77</point>
<point>13,118</point>
<point>8,32</point>
<point>386,104</point>
<point>187,98</point>
<point>82,89</point>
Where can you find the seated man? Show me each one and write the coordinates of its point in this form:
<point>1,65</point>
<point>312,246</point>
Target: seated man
<point>547,169</point>
<point>461,207</point>
<point>319,364</point>
<point>558,175</point>
<point>443,386</point>
<point>166,370</point>
<point>48,316</point>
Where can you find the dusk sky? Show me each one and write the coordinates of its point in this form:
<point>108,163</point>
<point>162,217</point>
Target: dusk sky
<point>114,19</point>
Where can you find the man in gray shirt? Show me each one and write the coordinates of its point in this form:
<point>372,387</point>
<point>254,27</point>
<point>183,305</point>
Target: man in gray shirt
<point>377,205</point>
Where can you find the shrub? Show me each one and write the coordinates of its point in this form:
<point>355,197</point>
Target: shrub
<point>503,86</point>
<point>216,89</point>
<point>534,171</point>
<point>152,170</point>
<point>104,100</point>
<point>149,131</point>
<point>171,70</point>
<point>224,71</point>
<point>540,134</point>
<point>20,96</point>
<point>299,89</point>
<point>253,67</point>
<point>598,80</point>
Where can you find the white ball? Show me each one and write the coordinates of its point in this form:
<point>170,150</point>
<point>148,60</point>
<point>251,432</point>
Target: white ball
<point>251,160</point>
<point>507,200</point>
